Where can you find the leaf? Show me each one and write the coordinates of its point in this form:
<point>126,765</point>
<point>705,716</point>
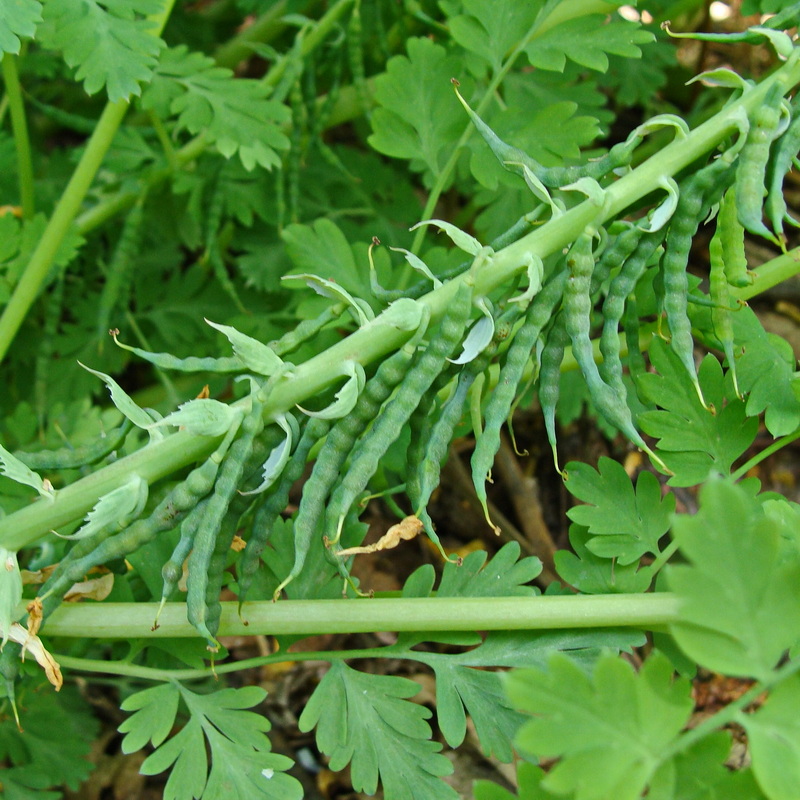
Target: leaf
<point>608,731</point>
<point>592,574</point>
<point>773,734</point>
<point>242,766</point>
<point>202,417</point>
<point>328,288</point>
<point>255,355</point>
<point>346,397</point>
<point>587,41</point>
<point>116,508</point>
<point>764,371</point>
<point>463,241</point>
<point>13,468</point>
<point>111,43</point>
<point>367,721</point>
<point>740,595</point>
<point>418,117</point>
<point>234,114</point>
<point>529,778</point>
<point>18,19</point>
<point>479,337</point>
<point>503,576</point>
<point>626,522</point>
<point>121,399</point>
<point>279,455</point>
<point>693,442</point>
<point>492,30</point>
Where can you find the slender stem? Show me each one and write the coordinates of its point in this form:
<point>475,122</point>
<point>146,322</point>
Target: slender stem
<point>765,453</point>
<point>22,142</point>
<point>266,28</point>
<point>770,274</point>
<point>664,556</point>
<point>380,337</point>
<point>65,212</point>
<point>309,617</point>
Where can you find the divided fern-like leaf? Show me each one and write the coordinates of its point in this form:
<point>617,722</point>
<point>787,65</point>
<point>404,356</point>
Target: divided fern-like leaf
<point>367,721</point>
<point>242,766</point>
<point>235,114</point>
<point>111,43</point>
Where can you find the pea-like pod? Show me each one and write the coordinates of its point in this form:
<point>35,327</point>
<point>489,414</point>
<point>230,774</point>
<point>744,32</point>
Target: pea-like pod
<point>228,481</point>
<point>89,553</point>
<point>167,361</point>
<point>630,323</point>
<point>550,361</point>
<point>721,299</point>
<point>621,286</point>
<point>119,275</point>
<point>75,457</point>
<point>697,193</point>
<point>355,57</point>
<point>731,231</point>
<point>269,510</point>
<point>501,399</point>
<point>752,166</point>
<point>337,447</point>
<point>783,154</point>
<point>421,374</point>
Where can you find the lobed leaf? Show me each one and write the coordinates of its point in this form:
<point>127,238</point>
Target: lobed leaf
<point>367,721</point>
<point>626,522</point>
<point>608,730</point>
<point>18,19</point>
<point>111,43</point>
<point>741,593</point>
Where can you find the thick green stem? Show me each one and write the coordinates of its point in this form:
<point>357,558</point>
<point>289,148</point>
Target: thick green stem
<point>19,124</point>
<point>64,213</point>
<point>309,617</point>
<point>377,339</point>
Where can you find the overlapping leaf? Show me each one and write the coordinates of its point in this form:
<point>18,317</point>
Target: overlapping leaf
<point>111,42</point>
<point>420,81</point>
<point>608,731</point>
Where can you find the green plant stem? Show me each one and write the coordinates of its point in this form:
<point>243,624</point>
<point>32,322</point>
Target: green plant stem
<point>731,712</point>
<point>375,340</point>
<point>19,125</point>
<point>266,28</point>
<point>309,617</point>
<point>765,453</point>
<point>770,274</point>
<point>65,212</point>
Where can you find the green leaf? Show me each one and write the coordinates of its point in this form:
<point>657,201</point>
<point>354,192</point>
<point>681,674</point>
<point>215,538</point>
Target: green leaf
<point>255,355</point>
<point>116,508</point>
<point>234,114</point>
<point>627,522</point>
<point>764,371</point>
<point>13,468</point>
<point>773,733</point>
<point>367,721</point>
<point>593,574</point>
<point>18,19</point>
<point>608,731</point>
<point>202,416</point>
<point>529,778</point>
<point>587,41</point>
<point>111,43</point>
<point>346,397</point>
<point>242,766</point>
<point>693,442</point>
<point>418,116</point>
<point>741,595</point>
<point>463,241</point>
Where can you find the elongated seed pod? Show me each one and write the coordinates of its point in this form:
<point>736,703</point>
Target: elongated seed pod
<point>752,165</point>
<point>622,285</point>
<point>422,373</point>
<point>498,408</point>
<point>172,570</point>
<point>334,452</point>
<point>167,361</point>
<point>721,298</point>
<point>74,457</point>
<point>168,513</point>
<point>630,323</point>
<point>734,259</point>
<point>550,377</point>
<point>784,151</point>
<point>119,275</point>
<point>268,512</point>
<point>696,193</point>
<point>305,330</point>
<point>228,481</point>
